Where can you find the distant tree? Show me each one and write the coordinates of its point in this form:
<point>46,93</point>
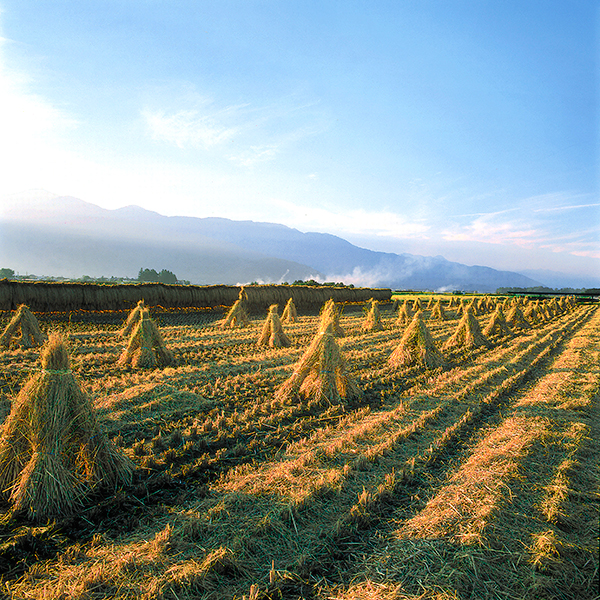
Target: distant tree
<point>150,275</point>
<point>8,273</point>
<point>167,277</point>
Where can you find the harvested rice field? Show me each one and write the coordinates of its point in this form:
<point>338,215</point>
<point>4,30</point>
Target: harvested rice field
<point>476,479</point>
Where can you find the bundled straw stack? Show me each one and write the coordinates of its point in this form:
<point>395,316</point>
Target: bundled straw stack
<point>23,321</point>
<point>516,319</point>
<point>405,314</point>
<point>438,313</point>
<point>321,376</point>
<point>417,347</point>
<point>531,313</point>
<point>330,315</point>
<point>417,306</point>
<point>372,320</point>
<point>555,307</point>
<point>237,315</point>
<point>461,307</point>
<point>133,319</point>
<point>272,333</point>
<point>146,348</point>
<point>289,315</point>
<point>474,306</point>
<point>482,306</point>
<point>52,451</point>
<point>468,333</point>
<point>497,326</point>
<point>563,304</point>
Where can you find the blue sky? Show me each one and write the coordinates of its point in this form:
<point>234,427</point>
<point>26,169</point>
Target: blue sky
<point>462,128</point>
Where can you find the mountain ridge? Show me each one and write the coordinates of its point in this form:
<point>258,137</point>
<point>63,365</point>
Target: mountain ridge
<point>70,234</point>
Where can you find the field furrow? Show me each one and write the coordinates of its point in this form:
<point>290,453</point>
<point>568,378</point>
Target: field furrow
<point>478,478</point>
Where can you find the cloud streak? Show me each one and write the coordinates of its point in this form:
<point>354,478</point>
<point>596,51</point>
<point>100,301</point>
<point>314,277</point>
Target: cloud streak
<point>563,228</point>
<point>356,221</point>
<point>245,133</point>
<point>186,128</point>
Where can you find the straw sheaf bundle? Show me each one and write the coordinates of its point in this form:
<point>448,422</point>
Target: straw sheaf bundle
<point>474,306</point>
<point>431,303</point>
<point>146,348</point>
<point>52,451</point>
<point>330,316</point>
<point>25,322</point>
<point>272,333</point>
<point>132,319</point>
<point>417,306</point>
<point>531,313</point>
<point>550,309</point>
<point>237,316</point>
<point>405,315</point>
<point>321,376</point>
<point>372,320</point>
<point>482,306</point>
<point>543,312</point>
<point>463,305</point>
<point>468,333</point>
<point>497,325</point>
<point>516,319</point>
<point>438,313</point>
<point>563,305</point>
<point>289,315</point>
<point>417,347</point>
<point>555,306</point>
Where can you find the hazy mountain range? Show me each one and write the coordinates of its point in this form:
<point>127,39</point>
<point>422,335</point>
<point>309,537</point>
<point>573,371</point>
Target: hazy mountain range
<point>65,236</point>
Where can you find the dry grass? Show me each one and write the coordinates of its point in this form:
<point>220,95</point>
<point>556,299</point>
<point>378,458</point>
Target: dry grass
<point>239,492</point>
<point>372,320</point>
<point>24,322</point>
<point>405,314</point>
<point>272,334</point>
<point>330,317</point>
<point>52,451</point>
<point>497,325</point>
<point>133,319</point>
<point>146,348</point>
<point>417,347</point>
<point>290,314</point>
<point>468,334</point>
<point>321,376</point>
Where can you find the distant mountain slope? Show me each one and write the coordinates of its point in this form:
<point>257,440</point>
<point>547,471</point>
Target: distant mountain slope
<point>555,279</point>
<point>66,236</point>
<point>72,238</point>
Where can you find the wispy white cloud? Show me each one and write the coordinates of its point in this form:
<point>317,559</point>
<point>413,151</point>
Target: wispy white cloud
<point>572,207</point>
<point>354,221</point>
<point>33,132</point>
<point>489,229</point>
<point>245,134</point>
<point>186,128</point>
<point>551,222</point>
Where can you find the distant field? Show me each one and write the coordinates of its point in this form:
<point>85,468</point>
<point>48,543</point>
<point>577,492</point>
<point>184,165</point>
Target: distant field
<point>478,480</point>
